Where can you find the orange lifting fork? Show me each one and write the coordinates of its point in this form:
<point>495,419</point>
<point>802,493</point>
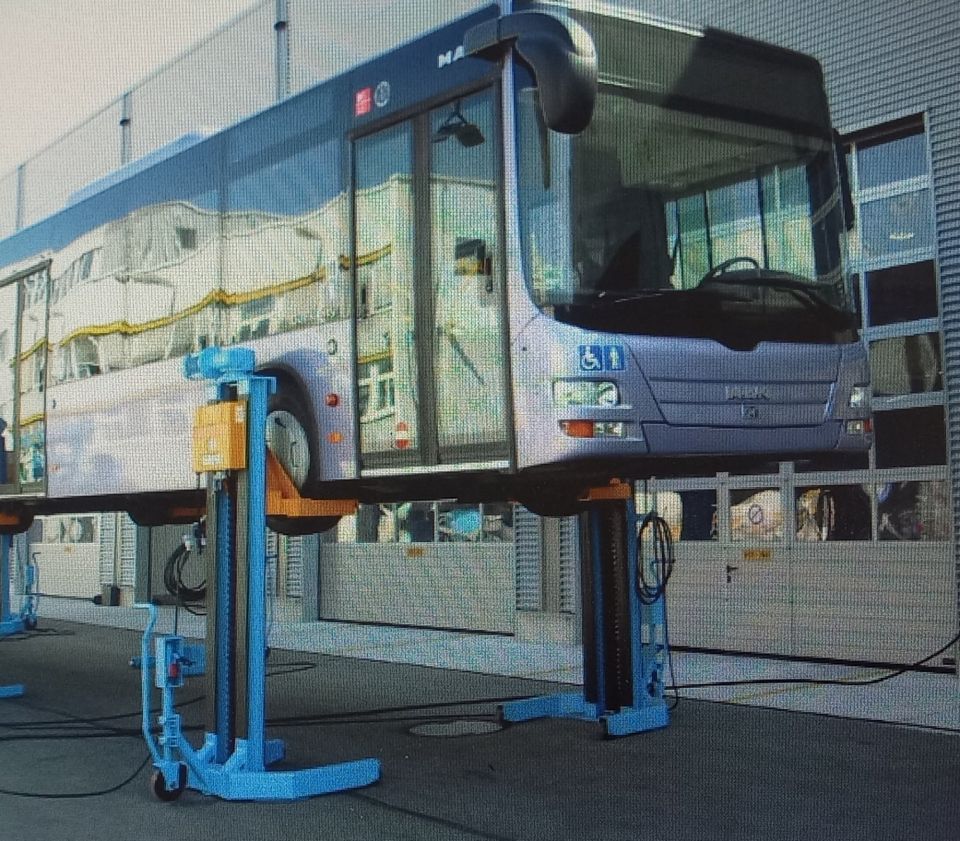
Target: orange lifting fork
<point>615,490</point>
<point>284,500</point>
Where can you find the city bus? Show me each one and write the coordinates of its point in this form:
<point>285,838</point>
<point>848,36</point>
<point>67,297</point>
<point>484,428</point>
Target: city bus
<point>524,253</point>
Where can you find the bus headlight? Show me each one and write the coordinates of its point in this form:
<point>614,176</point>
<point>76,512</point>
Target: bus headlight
<point>860,397</point>
<point>585,393</point>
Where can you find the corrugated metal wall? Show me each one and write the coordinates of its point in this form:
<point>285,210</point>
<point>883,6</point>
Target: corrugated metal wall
<point>108,547</point>
<point>568,564</point>
<point>128,551</point>
<point>528,544</point>
<point>293,577</point>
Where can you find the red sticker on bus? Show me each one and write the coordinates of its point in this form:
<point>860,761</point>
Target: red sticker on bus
<point>363,102</point>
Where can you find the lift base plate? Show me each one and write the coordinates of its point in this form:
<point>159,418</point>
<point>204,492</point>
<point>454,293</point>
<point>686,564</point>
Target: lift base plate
<point>233,780</point>
<point>624,722</point>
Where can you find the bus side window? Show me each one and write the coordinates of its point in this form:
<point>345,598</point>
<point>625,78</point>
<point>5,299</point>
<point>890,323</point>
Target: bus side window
<point>282,235</point>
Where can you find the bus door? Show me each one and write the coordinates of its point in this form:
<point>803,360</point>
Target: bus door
<point>428,268</point>
<point>23,356</point>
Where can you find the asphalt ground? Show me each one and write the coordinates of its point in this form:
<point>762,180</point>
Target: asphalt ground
<point>719,771</point>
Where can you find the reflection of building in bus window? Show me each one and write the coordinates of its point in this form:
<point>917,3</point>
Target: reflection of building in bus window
<point>376,388</point>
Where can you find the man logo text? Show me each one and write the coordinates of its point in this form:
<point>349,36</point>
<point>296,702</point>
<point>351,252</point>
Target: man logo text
<point>450,56</point>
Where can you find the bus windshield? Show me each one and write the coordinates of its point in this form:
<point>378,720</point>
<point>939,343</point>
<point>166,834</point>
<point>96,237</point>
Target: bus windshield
<point>696,196</point>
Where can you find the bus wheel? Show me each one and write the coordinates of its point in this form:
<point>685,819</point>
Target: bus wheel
<point>287,436</point>
<point>289,440</point>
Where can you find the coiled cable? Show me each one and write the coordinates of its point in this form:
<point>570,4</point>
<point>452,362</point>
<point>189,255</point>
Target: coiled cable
<point>662,564</point>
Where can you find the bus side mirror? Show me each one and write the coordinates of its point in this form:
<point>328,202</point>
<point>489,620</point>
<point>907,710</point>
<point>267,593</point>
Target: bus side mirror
<point>561,55</point>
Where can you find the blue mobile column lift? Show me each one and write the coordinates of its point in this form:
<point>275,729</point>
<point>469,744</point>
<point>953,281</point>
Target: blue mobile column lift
<point>625,653</point>
<point>243,483</point>
<point>26,619</point>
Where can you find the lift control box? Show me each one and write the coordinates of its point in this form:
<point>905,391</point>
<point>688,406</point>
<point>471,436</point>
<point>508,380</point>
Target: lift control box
<point>169,662</point>
<point>220,437</point>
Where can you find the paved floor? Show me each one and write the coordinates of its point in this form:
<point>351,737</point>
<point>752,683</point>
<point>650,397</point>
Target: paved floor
<point>923,699</point>
<point>720,771</point>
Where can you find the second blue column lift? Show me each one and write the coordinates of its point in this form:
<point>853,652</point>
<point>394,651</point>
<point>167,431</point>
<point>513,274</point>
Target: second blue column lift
<point>625,652</point>
<point>230,446</point>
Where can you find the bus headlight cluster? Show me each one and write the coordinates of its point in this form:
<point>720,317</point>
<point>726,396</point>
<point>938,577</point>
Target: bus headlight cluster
<point>860,397</point>
<point>859,427</point>
<point>585,393</point>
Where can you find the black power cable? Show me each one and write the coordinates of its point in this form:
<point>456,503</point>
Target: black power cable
<point>824,681</point>
<point>648,593</point>
<point>173,577</point>
<point>663,558</point>
<point>77,795</point>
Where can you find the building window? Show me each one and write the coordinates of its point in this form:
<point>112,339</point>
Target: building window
<point>832,512</point>
<point>913,511</point>
<point>690,514</point>
<point>887,158</point>
<point>894,252</point>
<point>902,293</point>
<point>429,522</point>
<point>898,225</point>
<point>906,365</point>
<point>910,437</point>
<point>756,514</point>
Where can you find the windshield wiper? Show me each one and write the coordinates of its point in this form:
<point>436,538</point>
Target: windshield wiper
<point>609,297</point>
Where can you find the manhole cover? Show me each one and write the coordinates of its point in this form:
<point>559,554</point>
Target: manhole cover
<point>464,727</point>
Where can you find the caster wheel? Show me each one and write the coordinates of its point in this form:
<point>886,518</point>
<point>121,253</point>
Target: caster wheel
<point>159,786</point>
<point>30,623</point>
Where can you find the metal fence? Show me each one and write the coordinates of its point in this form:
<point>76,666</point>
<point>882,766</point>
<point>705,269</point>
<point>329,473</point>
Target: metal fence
<point>273,50</point>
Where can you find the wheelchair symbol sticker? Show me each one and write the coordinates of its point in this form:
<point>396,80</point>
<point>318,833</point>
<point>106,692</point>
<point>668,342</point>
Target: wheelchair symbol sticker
<point>591,358</point>
<point>602,358</point>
